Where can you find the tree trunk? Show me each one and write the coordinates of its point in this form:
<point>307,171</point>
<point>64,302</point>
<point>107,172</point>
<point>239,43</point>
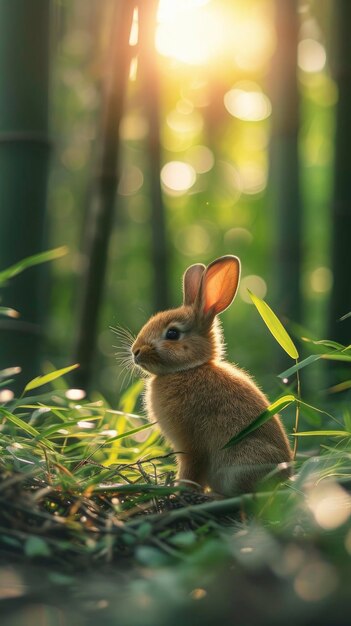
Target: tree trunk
<point>148,72</point>
<point>285,186</point>
<point>99,219</point>
<point>24,156</point>
<point>340,302</point>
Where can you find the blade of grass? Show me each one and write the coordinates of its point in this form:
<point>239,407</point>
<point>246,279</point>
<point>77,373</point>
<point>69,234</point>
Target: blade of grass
<point>42,380</point>
<point>266,415</point>
<point>30,430</point>
<point>30,261</point>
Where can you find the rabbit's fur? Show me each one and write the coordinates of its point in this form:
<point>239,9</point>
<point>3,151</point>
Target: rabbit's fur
<point>199,400</point>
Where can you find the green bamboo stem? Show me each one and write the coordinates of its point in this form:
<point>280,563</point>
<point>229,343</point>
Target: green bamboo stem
<point>340,301</point>
<point>285,185</point>
<point>24,157</point>
<point>99,218</point>
<point>150,87</point>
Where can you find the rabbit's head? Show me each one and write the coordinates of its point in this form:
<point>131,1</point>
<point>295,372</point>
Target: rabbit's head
<point>189,336</point>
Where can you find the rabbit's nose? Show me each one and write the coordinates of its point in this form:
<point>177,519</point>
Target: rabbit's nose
<point>136,354</point>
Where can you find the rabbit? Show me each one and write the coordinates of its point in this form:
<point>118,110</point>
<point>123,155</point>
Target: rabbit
<point>198,399</point>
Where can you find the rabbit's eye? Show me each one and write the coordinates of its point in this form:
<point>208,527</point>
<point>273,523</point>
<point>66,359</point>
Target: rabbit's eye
<point>173,333</point>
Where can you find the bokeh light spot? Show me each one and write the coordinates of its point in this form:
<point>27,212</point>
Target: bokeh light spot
<point>193,240</point>
<point>177,177</point>
<point>315,581</point>
<point>311,55</point>
<point>6,395</point>
<point>75,394</point>
<point>247,105</point>
<point>133,127</point>
<point>238,236</point>
<point>187,123</point>
<point>256,284</point>
<point>201,158</point>
<point>330,505</point>
<point>132,180</point>
<point>253,177</point>
<point>321,280</point>
<point>198,594</point>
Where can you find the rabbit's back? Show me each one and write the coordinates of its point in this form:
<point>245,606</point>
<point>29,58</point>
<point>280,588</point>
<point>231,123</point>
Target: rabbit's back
<point>200,409</point>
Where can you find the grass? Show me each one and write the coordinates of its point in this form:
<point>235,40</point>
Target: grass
<point>85,487</point>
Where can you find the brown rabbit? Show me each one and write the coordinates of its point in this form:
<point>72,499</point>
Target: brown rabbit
<point>198,399</point>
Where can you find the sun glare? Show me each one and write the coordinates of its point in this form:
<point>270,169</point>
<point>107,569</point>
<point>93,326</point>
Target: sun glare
<point>196,32</point>
<point>188,30</point>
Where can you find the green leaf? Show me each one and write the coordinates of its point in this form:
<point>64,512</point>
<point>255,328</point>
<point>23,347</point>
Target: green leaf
<point>183,539</point>
<point>151,557</point>
<point>129,398</point>
<point>270,411</point>
<point>324,342</point>
<point>347,419</point>
<point>344,317</point>
<point>323,433</point>
<point>30,261</point>
<point>10,371</point>
<point>42,380</point>
<point>7,312</point>
<point>17,421</point>
<point>131,432</point>
<point>274,326</point>
<point>337,357</point>
<point>30,430</point>
<point>333,356</point>
<point>343,386</point>
<point>310,359</point>
<point>36,546</point>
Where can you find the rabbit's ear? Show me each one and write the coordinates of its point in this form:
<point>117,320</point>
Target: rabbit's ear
<point>219,285</point>
<point>191,282</point>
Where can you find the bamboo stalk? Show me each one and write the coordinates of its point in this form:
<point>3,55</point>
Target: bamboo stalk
<point>340,301</point>
<point>24,158</point>
<point>99,218</point>
<point>148,72</point>
<point>285,184</point>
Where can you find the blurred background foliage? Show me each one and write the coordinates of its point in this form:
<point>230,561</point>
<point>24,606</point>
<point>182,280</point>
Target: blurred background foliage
<point>212,85</point>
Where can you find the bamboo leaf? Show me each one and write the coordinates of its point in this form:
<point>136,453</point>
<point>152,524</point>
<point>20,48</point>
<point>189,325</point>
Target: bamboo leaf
<point>271,410</point>
<point>343,386</point>
<point>42,380</point>
<point>30,261</point>
<point>344,317</point>
<point>324,342</point>
<point>275,326</point>
<point>323,433</point>
<point>337,357</point>
<point>333,356</point>
<point>310,359</point>
<point>7,312</point>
